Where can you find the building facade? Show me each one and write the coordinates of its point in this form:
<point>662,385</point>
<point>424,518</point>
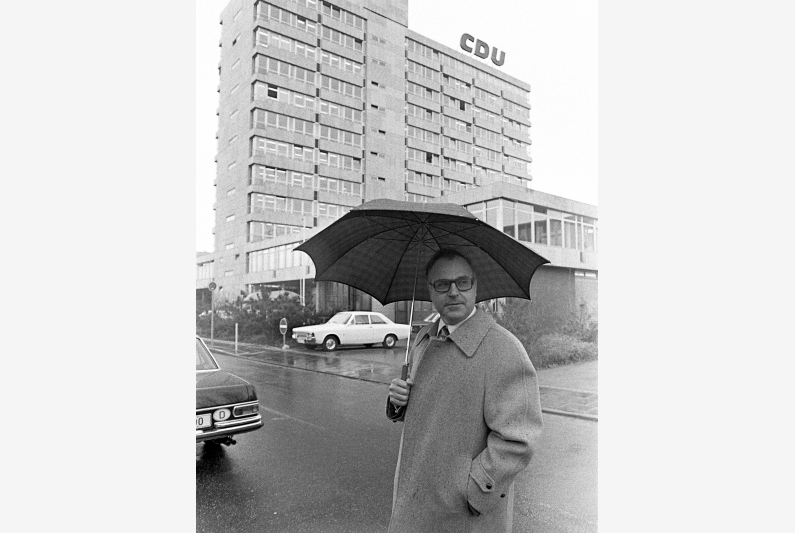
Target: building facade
<point>326,105</point>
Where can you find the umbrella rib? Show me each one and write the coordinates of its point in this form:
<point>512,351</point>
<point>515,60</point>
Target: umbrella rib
<point>406,249</point>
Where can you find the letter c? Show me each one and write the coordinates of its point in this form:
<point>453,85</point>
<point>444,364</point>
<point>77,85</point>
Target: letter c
<point>464,38</point>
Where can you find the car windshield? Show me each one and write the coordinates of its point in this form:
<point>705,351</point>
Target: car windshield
<point>204,360</point>
<point>339,318</point>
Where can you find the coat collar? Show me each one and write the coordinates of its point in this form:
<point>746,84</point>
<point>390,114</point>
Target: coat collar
<point>469,336</point>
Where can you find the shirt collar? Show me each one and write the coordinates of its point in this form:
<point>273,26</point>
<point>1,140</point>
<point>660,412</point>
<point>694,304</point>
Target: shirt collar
<point>468,339</point>
<point>452,327</point>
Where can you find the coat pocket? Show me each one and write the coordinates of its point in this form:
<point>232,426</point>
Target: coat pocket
<point>480,487</point>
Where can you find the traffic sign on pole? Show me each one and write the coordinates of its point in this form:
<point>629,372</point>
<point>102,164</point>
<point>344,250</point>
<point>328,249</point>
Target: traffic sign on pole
<point>283,331</point>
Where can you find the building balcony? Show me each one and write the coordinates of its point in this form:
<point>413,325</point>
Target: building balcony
<point>341,123</point>
<point>342,99</point>
<point>340,26</point>
<point>287,56</point>
<point>340,173</point>
<point>297,8</point>
<point>493,125</point>
<point>425,168</point>
<point>334,48</point>
<point>418,144</point>
<point>457,134</point>
<point>457,154</point>
<point>516,117</point>
<point>516,98</point>
<point>344,75</point>
<point>488,163</point>
<point>287,31</point>
<point>309,89</point>
<point>273,160</point>
<point>516,133</point>
<point>423,102</point>
<point>518,153</point>
<point>488,106</point>
<point>458,175</point>
<point>425,82</point>
<point>491,145</point>
<point>454,112</point>
<point>339,148</point>
<point>417,122</point>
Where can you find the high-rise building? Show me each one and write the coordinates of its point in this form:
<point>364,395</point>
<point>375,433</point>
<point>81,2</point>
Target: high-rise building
<point>326,105</point>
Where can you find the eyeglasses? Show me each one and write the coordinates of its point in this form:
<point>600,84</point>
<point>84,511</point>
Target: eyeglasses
<point>463,283</point>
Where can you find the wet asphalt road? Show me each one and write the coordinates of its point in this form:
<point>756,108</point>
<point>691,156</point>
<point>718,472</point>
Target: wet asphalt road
<point>324,462</point>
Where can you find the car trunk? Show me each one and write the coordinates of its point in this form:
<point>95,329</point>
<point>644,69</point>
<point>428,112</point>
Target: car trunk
<point>221,388</point>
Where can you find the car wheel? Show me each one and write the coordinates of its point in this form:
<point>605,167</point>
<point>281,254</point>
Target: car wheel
<point>390,341</point>
<point>330,343</point>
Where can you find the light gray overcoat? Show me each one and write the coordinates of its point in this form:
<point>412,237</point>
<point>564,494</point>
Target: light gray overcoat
<point>470,427</point>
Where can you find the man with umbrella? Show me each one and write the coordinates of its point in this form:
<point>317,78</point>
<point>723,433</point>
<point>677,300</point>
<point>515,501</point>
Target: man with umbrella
<point>468,396</point>
<point>471,413</point>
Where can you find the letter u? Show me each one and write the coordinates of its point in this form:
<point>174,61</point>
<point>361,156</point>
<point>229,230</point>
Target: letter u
<point>494,59</point>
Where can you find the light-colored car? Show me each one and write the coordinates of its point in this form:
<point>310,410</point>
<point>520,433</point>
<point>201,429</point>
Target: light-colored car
<point>352,327</point>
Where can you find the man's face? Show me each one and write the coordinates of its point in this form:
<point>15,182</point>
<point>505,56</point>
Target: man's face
<point>453,305</point>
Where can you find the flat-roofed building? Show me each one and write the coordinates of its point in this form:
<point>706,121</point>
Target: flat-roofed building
<point>326,105</point>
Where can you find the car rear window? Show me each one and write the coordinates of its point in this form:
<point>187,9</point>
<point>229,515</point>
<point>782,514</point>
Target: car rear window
<point>375,319</point>
<point>204,360</point>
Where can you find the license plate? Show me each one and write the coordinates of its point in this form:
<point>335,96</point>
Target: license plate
<point>204,421</point>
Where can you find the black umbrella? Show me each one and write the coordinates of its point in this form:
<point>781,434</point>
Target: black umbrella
<point>381,248</point>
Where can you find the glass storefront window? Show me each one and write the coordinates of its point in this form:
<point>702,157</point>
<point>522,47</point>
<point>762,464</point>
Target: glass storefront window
<point>555,228</point>
<point>540,225</point>
<point>492,210</point>
<point>508,218</point>
<point>524,222</point>
<point>589,240</point>
<point>571,234</point>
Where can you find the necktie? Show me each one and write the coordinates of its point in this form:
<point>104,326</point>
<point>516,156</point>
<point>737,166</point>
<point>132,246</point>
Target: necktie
<point>443,333</point>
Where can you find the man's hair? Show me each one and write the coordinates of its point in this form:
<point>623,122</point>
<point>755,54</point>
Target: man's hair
<point>446,253</point>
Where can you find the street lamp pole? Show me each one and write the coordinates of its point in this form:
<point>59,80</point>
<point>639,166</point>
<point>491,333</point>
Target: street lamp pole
<point>212,313</point>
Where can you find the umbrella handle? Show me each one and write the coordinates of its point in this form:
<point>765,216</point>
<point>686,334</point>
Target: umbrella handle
<point>404,372</point>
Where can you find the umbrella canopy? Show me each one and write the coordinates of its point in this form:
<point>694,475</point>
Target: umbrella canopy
<point>381,247</point>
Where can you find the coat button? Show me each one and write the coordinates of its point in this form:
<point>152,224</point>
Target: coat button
<point>488,485</point>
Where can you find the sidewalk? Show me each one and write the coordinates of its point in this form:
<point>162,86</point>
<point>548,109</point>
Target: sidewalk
<point>569,390</point>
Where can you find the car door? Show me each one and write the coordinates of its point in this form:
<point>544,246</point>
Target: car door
<point>360,329</point>
<point>378,328</point>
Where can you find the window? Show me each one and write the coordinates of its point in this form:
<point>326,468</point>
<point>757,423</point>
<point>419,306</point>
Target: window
<point>338,110</point>
<point>341,87</point>
<point>230,246</point>
<point>230,192</point>
<point>375,319</point>
<point>342,39</point>
<point>555,228</point>
<point>343,16</point>
<point>361,320</point>
<point>230,218</point>
<point>540,225</point>
<point>340,62</point>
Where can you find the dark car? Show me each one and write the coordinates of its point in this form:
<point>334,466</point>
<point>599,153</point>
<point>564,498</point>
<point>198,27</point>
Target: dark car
<point>417,325</point>
<point>226,405</point>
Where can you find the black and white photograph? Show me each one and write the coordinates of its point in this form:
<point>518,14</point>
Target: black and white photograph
<point>399,235</point>
<point>397,266</point>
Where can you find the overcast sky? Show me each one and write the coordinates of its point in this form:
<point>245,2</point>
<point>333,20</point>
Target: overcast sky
<point>551,44</point>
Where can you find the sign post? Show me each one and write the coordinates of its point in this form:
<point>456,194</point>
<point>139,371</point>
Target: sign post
<point>212,286</point>
<point>283,331</point>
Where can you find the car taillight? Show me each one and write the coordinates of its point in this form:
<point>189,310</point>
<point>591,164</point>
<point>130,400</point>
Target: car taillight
<point>245,410</point>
